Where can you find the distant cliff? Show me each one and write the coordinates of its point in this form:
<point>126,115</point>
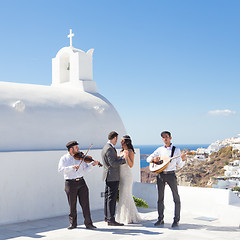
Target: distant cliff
<point>198,172</point>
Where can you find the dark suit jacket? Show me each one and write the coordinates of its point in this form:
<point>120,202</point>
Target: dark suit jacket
<point>111,163</point>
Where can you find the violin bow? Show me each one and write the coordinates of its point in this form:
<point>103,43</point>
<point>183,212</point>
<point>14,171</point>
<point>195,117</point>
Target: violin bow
<point>85,155</point>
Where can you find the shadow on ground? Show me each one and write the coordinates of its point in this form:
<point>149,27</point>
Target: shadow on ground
<point>33,229</point>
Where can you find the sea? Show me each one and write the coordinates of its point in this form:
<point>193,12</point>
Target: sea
<point>149,149</point>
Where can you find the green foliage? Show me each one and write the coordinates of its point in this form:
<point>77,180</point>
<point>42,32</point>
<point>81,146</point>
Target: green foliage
<point>236,189</point>
<point>140,203</point>
<point>226,162</point>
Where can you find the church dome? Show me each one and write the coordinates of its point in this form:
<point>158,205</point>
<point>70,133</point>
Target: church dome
<point>36,117</point>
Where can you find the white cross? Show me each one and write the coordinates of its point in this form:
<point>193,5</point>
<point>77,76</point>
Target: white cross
<point>70,36</point>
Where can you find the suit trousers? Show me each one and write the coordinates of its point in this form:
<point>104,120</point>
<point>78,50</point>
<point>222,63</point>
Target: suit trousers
<point>78,189</point>
<point>111,192</point>
<point>171,180</point>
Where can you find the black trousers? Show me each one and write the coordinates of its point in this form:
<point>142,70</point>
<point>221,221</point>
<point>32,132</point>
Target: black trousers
<point>111,191</point>
<point>74,190</point>
<point>171,180</point>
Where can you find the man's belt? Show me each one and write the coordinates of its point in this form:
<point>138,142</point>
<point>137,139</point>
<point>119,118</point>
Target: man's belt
<point>75,180</point>
<point>168,172</point>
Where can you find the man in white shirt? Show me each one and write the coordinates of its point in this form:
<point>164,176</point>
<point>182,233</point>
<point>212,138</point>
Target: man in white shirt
<point>168,176</point>
<point>75,185</point>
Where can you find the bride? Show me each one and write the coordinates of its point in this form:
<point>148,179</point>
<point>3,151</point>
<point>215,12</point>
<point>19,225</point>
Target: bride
<point>126,210</point>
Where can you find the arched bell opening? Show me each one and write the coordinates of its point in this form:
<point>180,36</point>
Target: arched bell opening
<point>64,68</point>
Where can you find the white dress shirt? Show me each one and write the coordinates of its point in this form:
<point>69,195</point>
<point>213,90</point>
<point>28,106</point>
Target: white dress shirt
<point>166,151</point>
<point>111,144</point>
<point>66,164</point>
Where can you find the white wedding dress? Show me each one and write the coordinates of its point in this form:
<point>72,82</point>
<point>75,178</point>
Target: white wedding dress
<point>126,209</point>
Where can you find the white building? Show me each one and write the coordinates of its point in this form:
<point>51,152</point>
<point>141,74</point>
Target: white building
<point>199,157</point>
<point>201,150</point>
<point>233,169</point>
<point>216,146</point>
<point>35,117</point>
<point>36,123</point>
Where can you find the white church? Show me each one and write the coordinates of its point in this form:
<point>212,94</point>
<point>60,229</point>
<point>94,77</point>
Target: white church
<point>46,117</point>
<point>36,123</point>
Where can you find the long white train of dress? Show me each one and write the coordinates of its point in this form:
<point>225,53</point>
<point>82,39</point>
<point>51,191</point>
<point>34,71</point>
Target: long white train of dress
<point>126,209</point>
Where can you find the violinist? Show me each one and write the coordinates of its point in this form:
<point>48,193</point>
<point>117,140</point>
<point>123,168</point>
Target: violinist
<point>75,185</point>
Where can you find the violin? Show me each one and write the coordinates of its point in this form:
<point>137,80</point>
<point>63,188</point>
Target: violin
<point>85,158</point>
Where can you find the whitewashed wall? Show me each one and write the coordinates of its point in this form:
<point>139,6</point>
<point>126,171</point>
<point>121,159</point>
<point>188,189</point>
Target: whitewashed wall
<point>31,187</point>
<point>222,204</point>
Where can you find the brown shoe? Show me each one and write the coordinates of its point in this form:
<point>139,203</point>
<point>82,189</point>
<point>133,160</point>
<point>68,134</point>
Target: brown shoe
<point>115,224</point>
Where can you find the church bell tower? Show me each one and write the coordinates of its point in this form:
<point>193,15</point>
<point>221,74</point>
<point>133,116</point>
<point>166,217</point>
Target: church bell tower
<point>73,67</point>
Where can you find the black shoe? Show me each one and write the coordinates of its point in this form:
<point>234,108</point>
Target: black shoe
<point>115,224</point>
<point>105,219</point>
<point>90,226</point>
<point>71,227</point>
<point>159,222</point>
<point>175,224</point>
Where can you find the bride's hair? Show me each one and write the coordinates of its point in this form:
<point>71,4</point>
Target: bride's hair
<point>128,142</point>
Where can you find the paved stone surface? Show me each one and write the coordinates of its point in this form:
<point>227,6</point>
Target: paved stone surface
<point>192,227</point>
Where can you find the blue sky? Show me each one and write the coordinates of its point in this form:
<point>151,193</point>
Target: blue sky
<point>164,65</point>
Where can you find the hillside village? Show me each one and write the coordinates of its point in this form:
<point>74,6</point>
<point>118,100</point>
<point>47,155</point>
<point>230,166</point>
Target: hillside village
<point>217,166</point>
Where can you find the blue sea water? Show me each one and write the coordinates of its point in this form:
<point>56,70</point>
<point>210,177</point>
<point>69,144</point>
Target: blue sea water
<point>148,149</point>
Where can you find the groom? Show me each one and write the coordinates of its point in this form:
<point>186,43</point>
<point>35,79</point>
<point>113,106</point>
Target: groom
<point>111,175</point>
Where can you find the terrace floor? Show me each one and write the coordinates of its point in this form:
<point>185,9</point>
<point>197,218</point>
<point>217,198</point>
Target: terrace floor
<point>192,227</point>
